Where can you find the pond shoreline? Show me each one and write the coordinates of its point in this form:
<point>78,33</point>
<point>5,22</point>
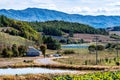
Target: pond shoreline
<point>62,66</point>
<point>74,46</point>
<point>34,70</point>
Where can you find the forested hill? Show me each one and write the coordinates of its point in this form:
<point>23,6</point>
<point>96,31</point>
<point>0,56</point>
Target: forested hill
<point>59,27</point>
<point>56,28</point>
<point>18,28</point>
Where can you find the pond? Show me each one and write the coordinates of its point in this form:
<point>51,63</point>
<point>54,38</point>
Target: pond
<point>14,71</point>
<point>74,46</point>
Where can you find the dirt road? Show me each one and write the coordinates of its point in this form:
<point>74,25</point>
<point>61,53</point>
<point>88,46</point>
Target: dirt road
<point>47,60</point>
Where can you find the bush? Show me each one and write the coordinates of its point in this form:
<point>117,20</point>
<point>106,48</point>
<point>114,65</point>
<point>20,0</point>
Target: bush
<point>117,63</point>
<point>13,51</point>
<point>100,47</point>
<point>91,48</point>
<point>6,52</point>
<point>62,41</point>
<point>108,45</point>
<point>28,61</point>
<point>68,52</point>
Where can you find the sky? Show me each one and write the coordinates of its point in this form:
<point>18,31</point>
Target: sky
<point>84,7</point>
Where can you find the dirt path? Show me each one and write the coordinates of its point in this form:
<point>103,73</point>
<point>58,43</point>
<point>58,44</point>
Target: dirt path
<point>47,60</point>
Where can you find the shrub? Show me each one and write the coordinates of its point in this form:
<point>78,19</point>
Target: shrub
<point>15,50</point>
<point>108,45</point>
<point>43,48</point>
<point>91,48</point>
<point>100,47</point>
<point>117,63</point>
<point>28,61</point>
<point>68,52</point>
<point>62,41</point>
<point>7,53</point>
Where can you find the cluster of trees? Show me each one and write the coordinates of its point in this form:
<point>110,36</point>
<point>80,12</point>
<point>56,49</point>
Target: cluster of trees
<point>60,27</point>
<point>112,46</point>
<point>52,31</point>
<point>51,43</point>
<point>92,48</point>
<point>109,46</point>
<point>70,41</point>
<point>12,31</point>
<point>19,28</point>
<point>14,51</point>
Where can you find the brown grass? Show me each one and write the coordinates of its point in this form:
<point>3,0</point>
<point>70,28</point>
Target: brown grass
<point>60,66</point>
<point>83,55</point>
<point>24,77</point>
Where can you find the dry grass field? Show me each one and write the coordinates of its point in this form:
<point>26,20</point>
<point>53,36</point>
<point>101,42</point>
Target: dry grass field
<point>83,57</point>
<point>90,37</point>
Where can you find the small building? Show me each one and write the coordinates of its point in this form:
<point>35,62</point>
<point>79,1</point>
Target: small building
<point>33,52</point>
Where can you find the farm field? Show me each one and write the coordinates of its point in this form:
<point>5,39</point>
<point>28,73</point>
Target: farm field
<point>90,37</point>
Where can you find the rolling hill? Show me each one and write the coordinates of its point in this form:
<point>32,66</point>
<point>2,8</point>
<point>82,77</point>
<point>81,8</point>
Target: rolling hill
<point>37,14</point>
<point>18,28</point>
<point>7,39</point>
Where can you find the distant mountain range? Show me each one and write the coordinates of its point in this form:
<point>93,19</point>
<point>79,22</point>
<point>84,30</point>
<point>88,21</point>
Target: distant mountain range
<point>37,14</point>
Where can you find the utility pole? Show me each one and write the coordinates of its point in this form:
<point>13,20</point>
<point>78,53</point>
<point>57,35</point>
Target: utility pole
<point>96,40</point>
<point>117,48</point>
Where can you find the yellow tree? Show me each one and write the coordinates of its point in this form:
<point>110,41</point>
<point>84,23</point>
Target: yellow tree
<point>43,48</point>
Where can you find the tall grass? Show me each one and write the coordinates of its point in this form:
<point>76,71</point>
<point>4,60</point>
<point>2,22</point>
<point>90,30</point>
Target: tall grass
<point>83,57</point>
<point>24,77</point>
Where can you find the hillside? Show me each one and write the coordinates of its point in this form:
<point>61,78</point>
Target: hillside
<point>115,28</point>
<point>7,39</point>
<point>36,14</point>
<point>57,28</point>
<point>18,28</point>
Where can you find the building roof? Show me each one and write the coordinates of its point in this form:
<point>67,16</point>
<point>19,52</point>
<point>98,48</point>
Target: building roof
<point>32,49</point>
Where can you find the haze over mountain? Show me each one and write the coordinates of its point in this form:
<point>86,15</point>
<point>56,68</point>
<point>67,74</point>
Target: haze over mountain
<point>37,14</point>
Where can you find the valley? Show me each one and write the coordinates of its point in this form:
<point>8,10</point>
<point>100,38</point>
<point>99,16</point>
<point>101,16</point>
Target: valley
<point>57,45</point>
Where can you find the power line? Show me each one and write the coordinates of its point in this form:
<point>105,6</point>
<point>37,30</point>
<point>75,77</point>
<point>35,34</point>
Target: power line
<point>96,40</point>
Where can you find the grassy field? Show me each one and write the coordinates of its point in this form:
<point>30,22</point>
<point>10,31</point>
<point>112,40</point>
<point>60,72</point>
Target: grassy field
<point>7,39</point>
<point>83,57</point>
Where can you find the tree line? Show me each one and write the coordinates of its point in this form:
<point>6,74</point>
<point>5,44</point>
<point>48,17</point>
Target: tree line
<point>61,27</point>
<point>13,51</point>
